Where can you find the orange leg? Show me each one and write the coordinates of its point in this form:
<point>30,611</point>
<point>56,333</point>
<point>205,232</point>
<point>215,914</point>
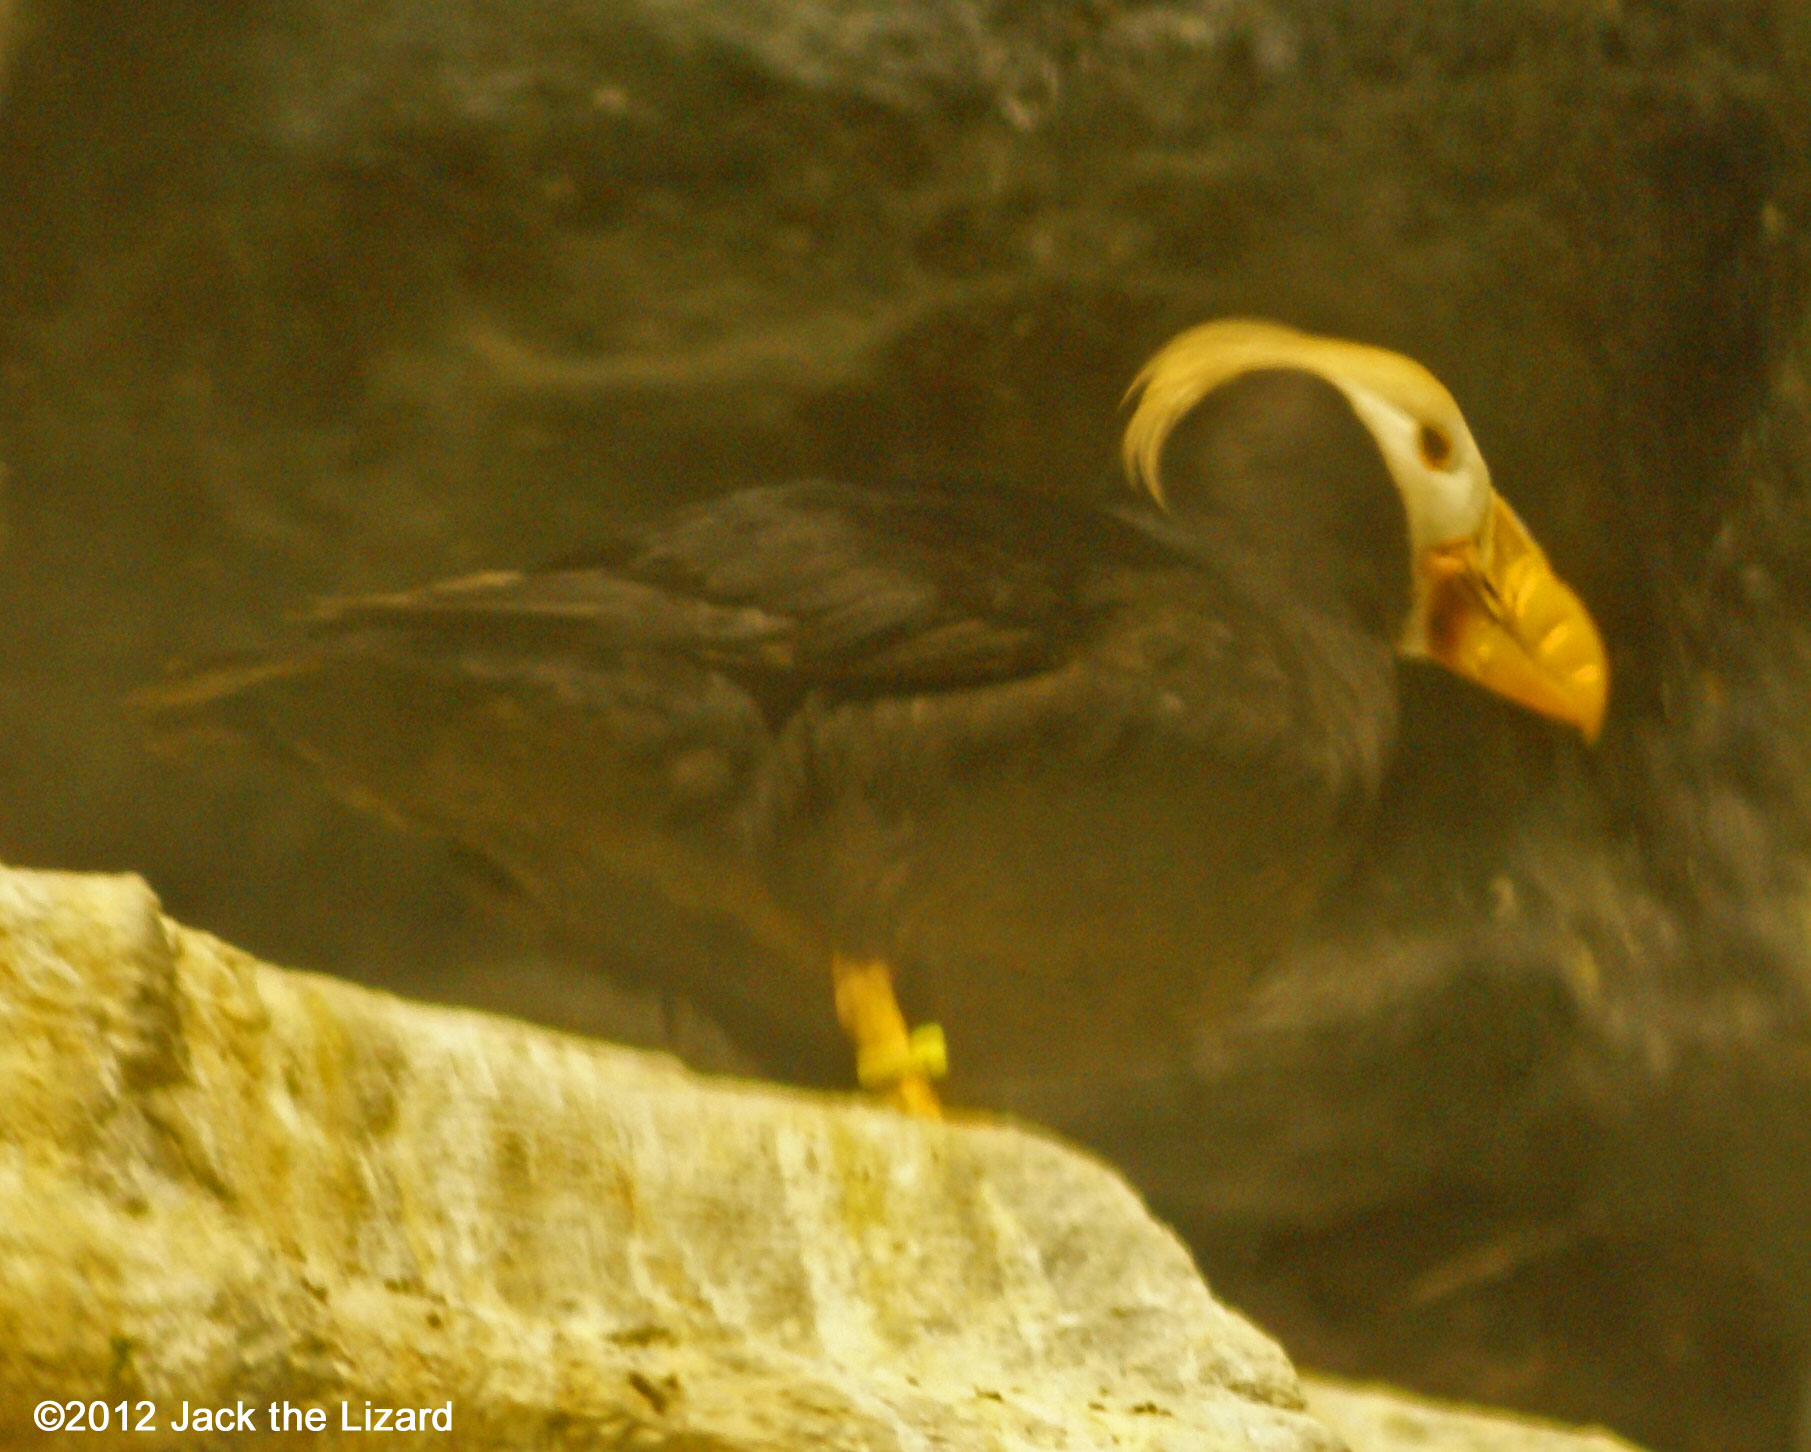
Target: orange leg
<point>890,1062</point>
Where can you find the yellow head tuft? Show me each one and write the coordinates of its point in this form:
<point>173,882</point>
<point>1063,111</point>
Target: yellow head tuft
<point>1193,364</point>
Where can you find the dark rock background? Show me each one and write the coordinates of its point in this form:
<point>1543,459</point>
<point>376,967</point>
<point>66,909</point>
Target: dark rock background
<point>299,298</point>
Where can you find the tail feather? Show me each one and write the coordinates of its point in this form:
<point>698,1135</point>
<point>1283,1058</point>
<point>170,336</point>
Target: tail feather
<point>179,712</point>
<point>211,683</point>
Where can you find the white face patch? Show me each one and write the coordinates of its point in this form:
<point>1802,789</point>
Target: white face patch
<point>1444,502</point>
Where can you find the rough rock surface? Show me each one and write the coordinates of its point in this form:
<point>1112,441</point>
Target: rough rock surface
<point>1372,1419</point>
<point>223,1183</point>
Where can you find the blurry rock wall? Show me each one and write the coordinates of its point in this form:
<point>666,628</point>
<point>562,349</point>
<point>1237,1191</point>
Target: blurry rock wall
<point>299,298</point>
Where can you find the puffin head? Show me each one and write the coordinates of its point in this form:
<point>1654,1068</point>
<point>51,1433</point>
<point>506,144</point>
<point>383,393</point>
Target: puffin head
<point>1482,599</point>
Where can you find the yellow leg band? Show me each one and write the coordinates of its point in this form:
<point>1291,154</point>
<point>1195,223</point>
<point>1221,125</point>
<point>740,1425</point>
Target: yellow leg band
<point>923,1051</point>
<point>888,1059</point>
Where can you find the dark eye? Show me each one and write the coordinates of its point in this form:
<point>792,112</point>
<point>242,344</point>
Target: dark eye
<point>1436,447</point>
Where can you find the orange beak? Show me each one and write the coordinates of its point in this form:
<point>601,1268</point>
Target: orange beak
<point>1495,613</point>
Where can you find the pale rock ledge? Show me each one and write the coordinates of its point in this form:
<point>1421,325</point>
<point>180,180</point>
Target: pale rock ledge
<point>221,1182</point>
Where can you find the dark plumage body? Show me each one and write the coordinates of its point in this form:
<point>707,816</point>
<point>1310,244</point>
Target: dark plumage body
<point>1074,772</point>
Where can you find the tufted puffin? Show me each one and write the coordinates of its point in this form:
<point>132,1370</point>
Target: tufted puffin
<point>1062,776</point>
